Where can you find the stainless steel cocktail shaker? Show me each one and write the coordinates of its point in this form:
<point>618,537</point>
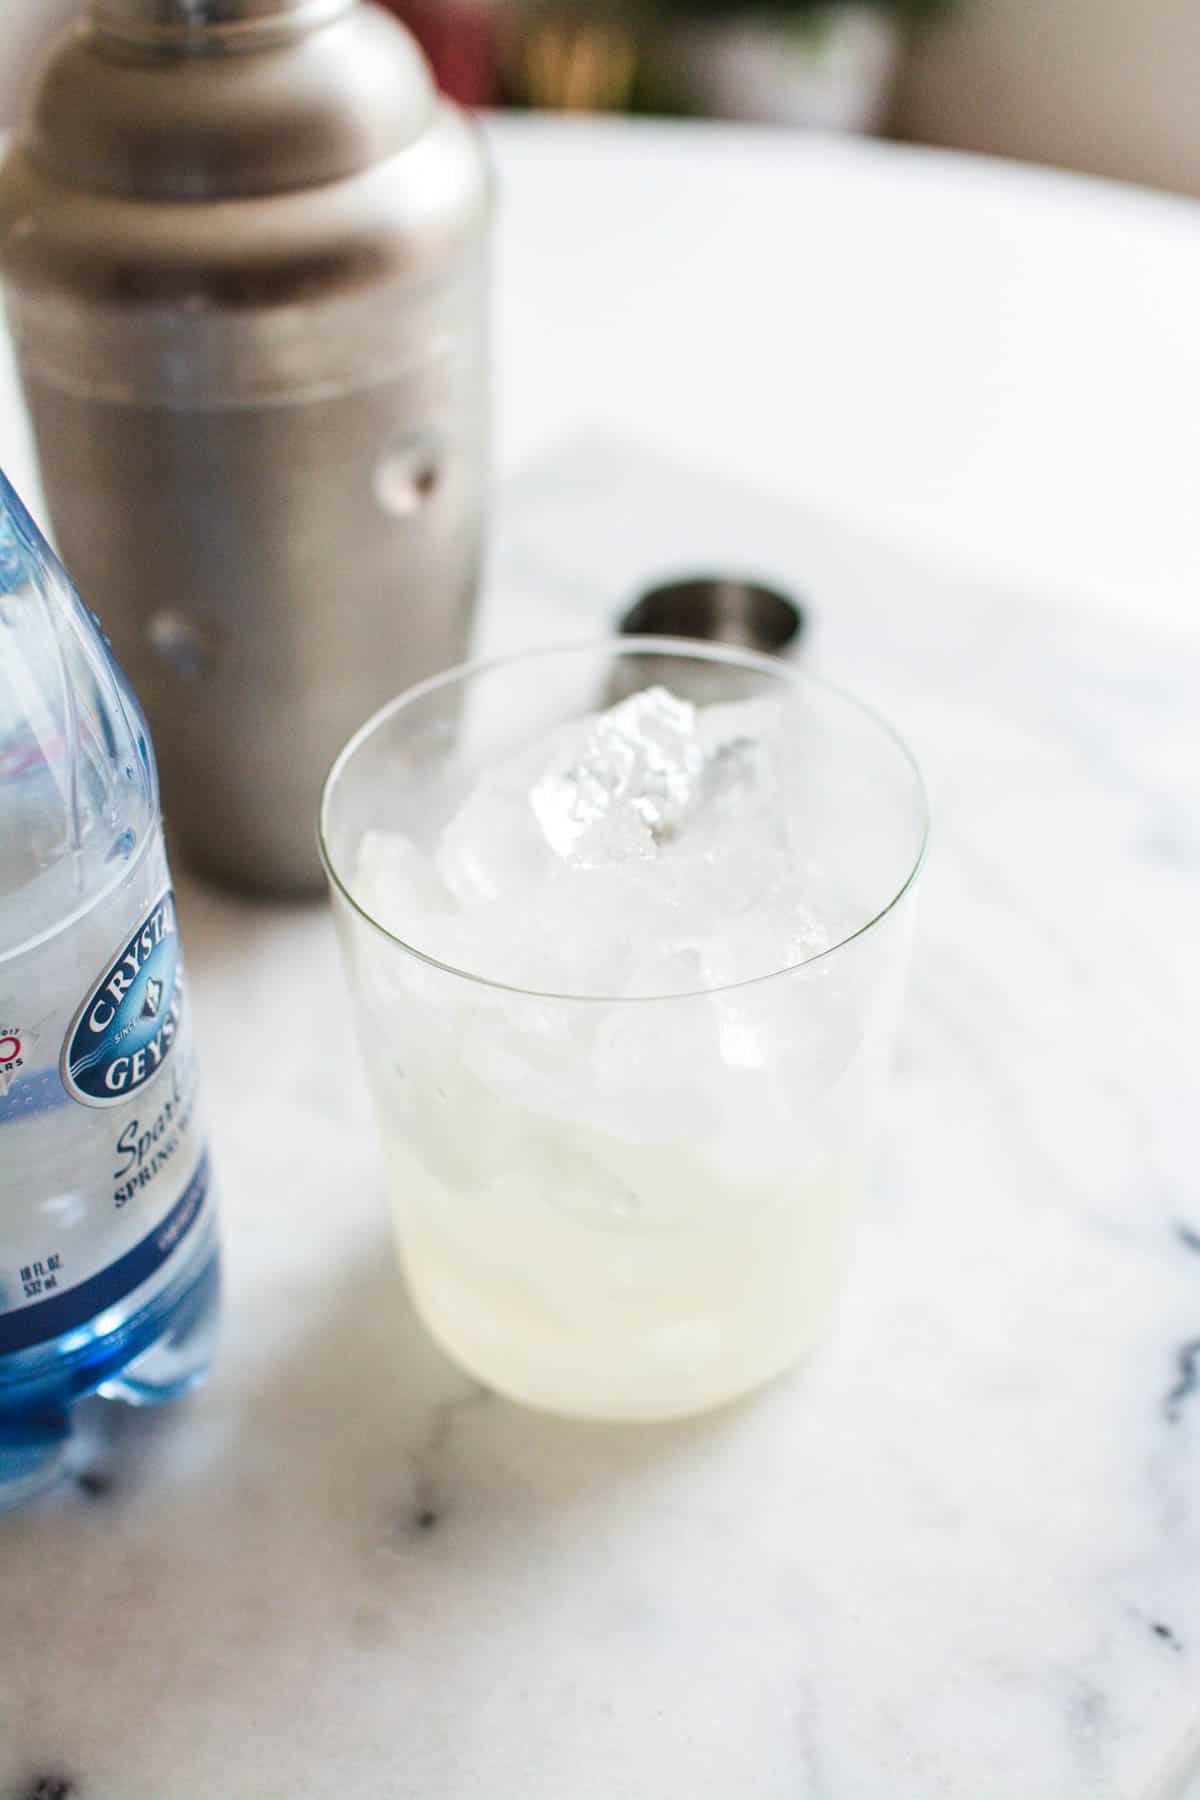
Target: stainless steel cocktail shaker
<point>243,243</point>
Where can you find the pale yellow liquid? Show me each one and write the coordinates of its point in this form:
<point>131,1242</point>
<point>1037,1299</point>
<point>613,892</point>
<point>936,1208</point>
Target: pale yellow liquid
<point>612,1318</point>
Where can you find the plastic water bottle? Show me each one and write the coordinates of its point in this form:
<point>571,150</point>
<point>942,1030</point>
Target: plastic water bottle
<point>108,1258</point>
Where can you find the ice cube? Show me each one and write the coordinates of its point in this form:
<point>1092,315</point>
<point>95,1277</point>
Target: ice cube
<point>667,970</point>
<point>634,781</point>
<point>398,884</point>
<point>492,846</point>
<point>730,851</point>
<point>638,852</point>
<point>775,931</point>
<point>529,1054</point>
<point>735,738</point>
<point>657,1066</point>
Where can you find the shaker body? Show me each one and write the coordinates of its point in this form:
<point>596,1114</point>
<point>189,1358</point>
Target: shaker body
<point>261,424</point>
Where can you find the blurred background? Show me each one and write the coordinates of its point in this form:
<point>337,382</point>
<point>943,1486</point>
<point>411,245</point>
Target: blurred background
<point>1102,85</point>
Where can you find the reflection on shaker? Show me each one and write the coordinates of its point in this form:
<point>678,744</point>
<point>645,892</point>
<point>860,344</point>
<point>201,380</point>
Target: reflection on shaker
<point>191,649</point>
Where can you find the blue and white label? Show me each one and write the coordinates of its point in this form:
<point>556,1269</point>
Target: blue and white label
<point>52,1313</point>
<point>104,1184</point>
<point>127,1026</point>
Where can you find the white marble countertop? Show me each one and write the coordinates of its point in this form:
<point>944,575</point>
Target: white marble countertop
<point>957,1557</point>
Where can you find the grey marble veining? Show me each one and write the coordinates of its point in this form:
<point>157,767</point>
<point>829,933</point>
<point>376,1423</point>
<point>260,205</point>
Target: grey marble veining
<point>956,1558</point>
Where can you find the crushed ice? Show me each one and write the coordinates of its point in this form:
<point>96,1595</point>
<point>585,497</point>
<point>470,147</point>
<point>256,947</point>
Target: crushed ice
<point>642,850</point>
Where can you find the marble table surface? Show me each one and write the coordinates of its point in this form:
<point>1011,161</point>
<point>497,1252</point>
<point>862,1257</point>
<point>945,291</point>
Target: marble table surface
<point>957,1557</point>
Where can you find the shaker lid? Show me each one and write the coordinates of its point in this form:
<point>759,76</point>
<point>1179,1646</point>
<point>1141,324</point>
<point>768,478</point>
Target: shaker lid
<point>222,99</point>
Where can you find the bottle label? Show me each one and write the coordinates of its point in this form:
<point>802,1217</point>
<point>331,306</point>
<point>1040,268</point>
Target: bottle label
<point>14,1053</point>
<point>48,1317</point>
<point>103,1169</point>
<point>123,1032</point>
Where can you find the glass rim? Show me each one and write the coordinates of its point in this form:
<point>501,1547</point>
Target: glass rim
<point>690,648</point>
